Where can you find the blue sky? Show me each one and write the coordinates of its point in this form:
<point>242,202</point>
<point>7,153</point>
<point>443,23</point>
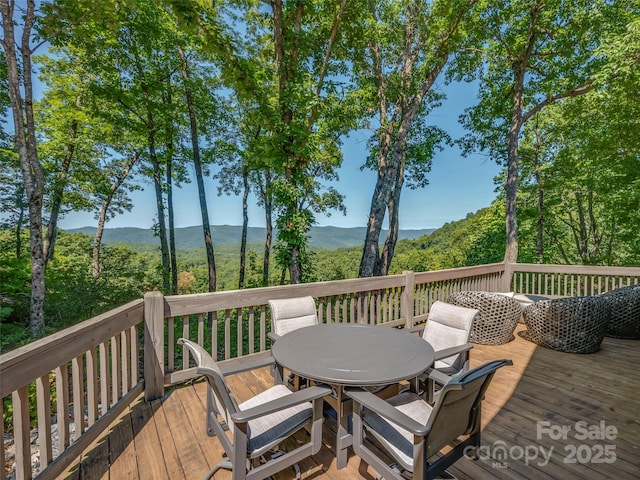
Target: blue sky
<point>457,186</point>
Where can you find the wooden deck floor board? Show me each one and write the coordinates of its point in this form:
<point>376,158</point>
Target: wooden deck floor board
<point>151,464</point>
<point>122,451</point>
<point>169,440</point>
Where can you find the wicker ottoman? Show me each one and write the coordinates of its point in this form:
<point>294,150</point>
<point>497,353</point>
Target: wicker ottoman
<point>624,312</point>
<point>498,317</point>
<point>572,324</point>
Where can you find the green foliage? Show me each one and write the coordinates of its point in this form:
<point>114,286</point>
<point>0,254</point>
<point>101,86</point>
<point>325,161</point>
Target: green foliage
<point>476,240</point>
<point>73,295</point>
<point>15,274</point>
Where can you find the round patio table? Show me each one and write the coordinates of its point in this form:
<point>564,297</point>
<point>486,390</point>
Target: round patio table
<point>352,355</point>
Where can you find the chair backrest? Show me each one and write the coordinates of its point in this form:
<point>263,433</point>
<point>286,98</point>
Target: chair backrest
<point>220,400</point>
<point>457,409</point>
<point>289,314</point>
<point>448,326</point>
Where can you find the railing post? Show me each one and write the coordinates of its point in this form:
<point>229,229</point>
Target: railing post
<point>408,297</point>
<point>153,346</point>
<point>506,276</point>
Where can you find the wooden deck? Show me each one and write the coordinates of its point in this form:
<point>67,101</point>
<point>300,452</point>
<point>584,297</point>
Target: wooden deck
<point>167,440</point>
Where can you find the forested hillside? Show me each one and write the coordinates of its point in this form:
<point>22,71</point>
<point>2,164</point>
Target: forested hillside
<point>191,237</point>
<point>130,270</point>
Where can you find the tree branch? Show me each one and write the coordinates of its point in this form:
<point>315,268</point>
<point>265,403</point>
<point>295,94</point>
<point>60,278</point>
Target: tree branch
<point>572,92</point>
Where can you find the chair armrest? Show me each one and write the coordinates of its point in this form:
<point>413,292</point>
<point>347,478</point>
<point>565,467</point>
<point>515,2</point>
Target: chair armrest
<point>382,408</point>
<point>278,404</point>
<point>273,336</point>
<point>448,352</point>
<point>202,356</point>
<point>438,377</point>
<point>416,330</point>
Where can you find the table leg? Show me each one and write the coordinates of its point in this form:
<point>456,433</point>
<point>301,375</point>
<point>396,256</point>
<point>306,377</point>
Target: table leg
<point>344,439</point>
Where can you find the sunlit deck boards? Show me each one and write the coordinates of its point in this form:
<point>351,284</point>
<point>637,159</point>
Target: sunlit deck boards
<point>167,439</point>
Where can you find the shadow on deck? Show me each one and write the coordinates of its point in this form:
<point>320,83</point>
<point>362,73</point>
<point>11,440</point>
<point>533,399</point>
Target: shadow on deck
<point>552,415</point>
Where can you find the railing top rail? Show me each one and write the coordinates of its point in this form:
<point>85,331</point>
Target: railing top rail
<point>576,269</point>
<point>24,364</point>
<point>462,272</point>
<point>187,304</point>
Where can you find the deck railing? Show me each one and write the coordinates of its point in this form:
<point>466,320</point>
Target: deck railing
<point>76,381</point>
<point>569,280</point>
<point>80,379</point>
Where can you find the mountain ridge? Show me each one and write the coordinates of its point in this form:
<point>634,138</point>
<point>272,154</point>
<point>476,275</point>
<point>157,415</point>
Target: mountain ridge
<point>191,237</point>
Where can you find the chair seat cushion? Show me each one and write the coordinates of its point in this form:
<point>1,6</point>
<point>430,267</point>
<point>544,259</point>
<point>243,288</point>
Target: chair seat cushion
<point>395,438</point>
<point>267,431</point>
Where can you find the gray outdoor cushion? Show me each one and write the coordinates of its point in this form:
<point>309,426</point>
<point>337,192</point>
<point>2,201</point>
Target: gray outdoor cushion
<point>448,326</point>
<point>288,314</point>
<point>264,431</point>
<point>394,437</point>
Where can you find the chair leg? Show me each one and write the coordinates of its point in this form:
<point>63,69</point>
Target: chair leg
<point>295,466</point>
<point>430,390</point>
<point>225,463</point>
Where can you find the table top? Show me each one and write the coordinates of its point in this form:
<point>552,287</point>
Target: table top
<point>353,354</point>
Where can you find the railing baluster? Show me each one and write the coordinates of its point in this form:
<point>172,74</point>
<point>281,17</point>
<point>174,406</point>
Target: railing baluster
<point>214,334</point>
<point>263,328</point>
<point>201,328</point>
<point>185,334</point>
<point>134,355</point>
<point>116,376</point>
<point>62,406</point>
<point>171,344</point>
<point>43,400</point>
<point>92,386</point>
<point>77,377</point>
<point>252,327</point>
<point>22,440</point>
<point>227,334</point>
<point>239,331</point>
<point>105,379</point>
<point>124,361</point>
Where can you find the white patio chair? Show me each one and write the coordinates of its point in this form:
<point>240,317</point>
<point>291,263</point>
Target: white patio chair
<point>288,314</point>
<point>259,424</point>
<point>448,329</point>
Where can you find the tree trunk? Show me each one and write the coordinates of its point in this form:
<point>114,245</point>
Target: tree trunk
<point>58,190</point>
<point>173,260</point>
<point>25,140</point>
<point>169,185</point>
<point>540,237</point>
<point>157,182</point>
<point>511,187</point>
<point>393,209</point>
<point>268,214</point>
<point>538,177</point>
<point>245,223</point>
<point>20,220</point>
<point>295,268</point>
<point>206,227</point>
<point>379,201</point>
<point>102,218</point>
<point>392,140</point>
